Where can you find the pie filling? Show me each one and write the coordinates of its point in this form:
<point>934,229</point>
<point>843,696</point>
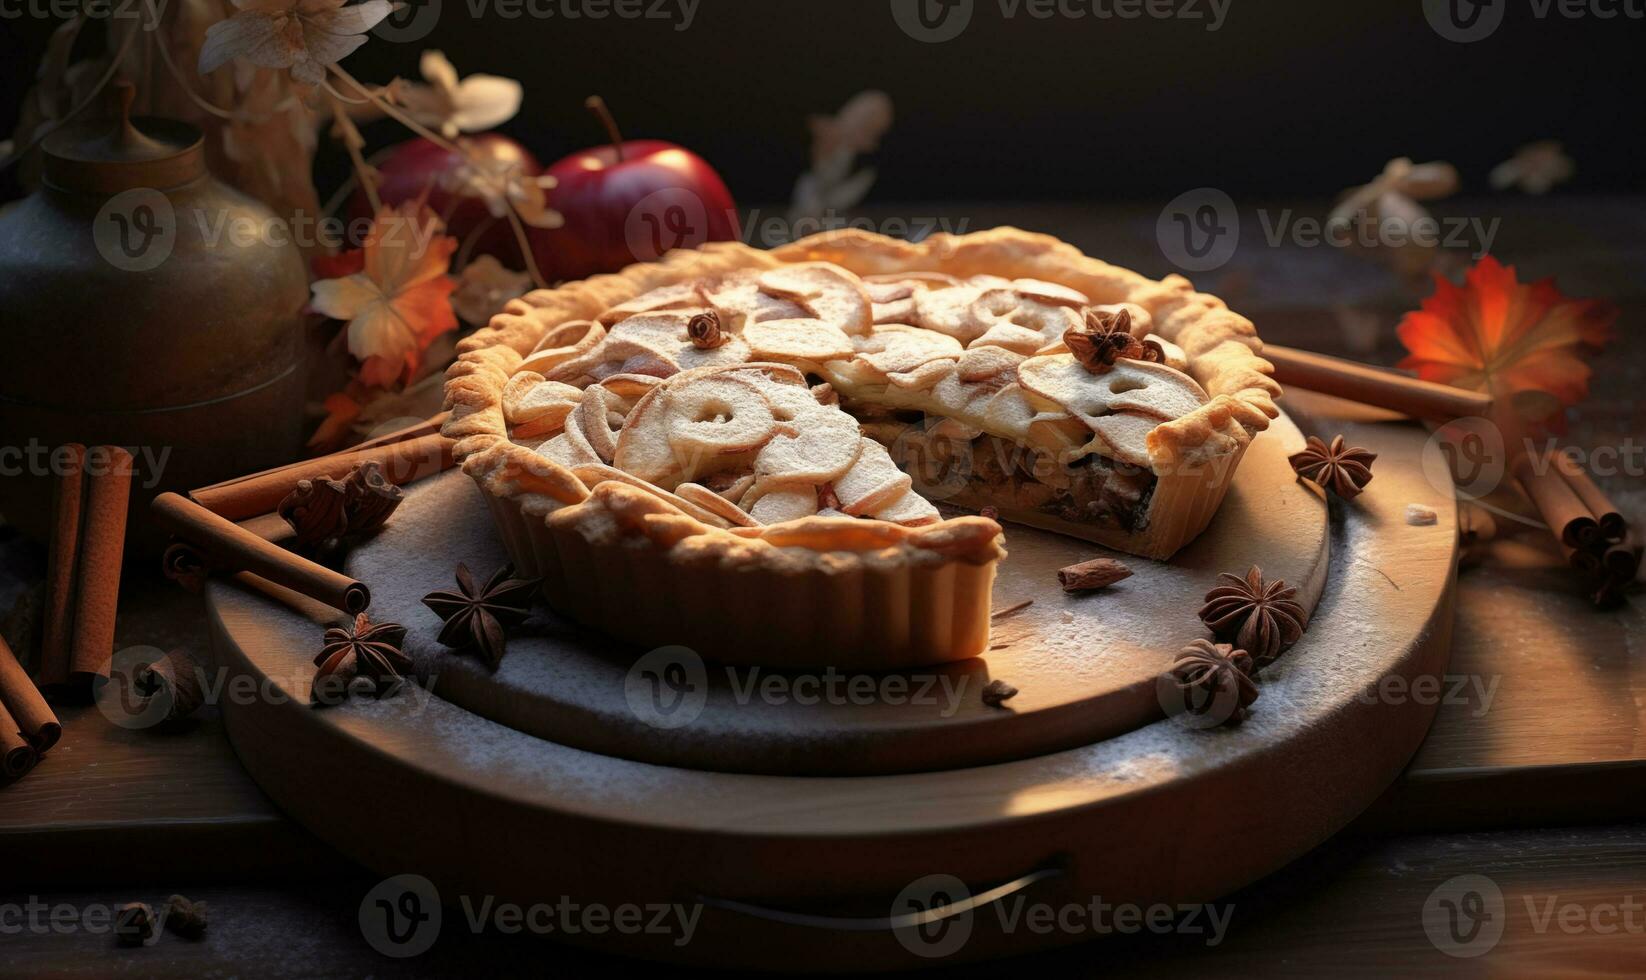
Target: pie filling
<point>771,395</point>
<point>989,471</point>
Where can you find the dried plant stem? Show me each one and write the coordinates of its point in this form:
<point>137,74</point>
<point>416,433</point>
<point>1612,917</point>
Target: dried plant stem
<point>96,90</point>
<point>393,112</point>
<point>352,141</point>
<point>177,73</point>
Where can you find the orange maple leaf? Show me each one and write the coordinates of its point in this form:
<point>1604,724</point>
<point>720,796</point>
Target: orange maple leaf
<point>400,299</point>
<point>1499,335</point>
<point>341,411</point>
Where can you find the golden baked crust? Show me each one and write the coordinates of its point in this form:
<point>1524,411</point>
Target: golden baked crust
<point>576,524</point>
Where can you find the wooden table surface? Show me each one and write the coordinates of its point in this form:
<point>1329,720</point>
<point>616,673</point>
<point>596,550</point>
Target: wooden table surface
<point>1533,774</point>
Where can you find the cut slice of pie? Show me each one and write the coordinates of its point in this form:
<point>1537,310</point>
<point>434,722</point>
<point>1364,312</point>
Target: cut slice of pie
<point>788,420</point>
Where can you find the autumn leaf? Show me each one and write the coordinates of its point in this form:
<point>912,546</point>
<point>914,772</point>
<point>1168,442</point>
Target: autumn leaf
<point>1510,339</point>
<point>400,299</point>
<point>341,411</point>
<point>305,36</point>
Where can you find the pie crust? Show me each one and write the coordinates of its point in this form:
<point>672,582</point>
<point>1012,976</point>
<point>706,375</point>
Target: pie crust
<point>667,560</point>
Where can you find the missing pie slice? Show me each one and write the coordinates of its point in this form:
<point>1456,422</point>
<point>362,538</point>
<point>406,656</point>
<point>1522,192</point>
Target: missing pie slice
<point>790,420</point>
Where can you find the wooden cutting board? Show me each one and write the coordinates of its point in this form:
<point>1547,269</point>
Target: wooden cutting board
<point>1086,667</point>
<point>789,869</point>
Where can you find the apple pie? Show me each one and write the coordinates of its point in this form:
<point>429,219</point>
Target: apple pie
<point>737,449</point>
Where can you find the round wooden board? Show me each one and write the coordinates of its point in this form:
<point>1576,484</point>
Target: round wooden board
<point>1161,814</point>
<point>1085,666</point>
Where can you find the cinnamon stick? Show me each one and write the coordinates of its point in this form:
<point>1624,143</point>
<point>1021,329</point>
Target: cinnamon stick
<point>1374,386</point>
<point>1607,516</point>
<point>227,548</point>
<point>1623,559</point>
<point>17,756</point>
<point>1560,508</point>
<point>24,705</point>
<point>402,462</point>
<point>410,432</point>
<point>68,502</point>
<point>102,548</point>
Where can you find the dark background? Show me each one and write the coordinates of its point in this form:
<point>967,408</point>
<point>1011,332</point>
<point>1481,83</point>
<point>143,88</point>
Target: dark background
<point>1288,98</point>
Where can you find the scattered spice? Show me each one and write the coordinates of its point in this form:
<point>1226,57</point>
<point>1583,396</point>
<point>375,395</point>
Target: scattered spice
<point>186,918</point>
<point>371,498</point>
<point>1261,618</point>
<point>134,925</point>
<point>705,332</point>
<point>1107,337</point>
<point>1009,610</point>
<point>364,659</point>
<point>997,692</point>
<point>172,684</point>
<point>1344,470</point>
<point>1215,680</point>
<point>477,616</point>
<point>317,511</point>
<point>1099,573</point>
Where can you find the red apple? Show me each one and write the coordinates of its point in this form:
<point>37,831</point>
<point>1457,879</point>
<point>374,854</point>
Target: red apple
<point>418,165</point>
<point>630,201</point>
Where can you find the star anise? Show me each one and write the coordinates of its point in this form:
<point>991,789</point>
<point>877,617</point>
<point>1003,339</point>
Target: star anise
<point>1107,337</point>
<point>363,658</point>
<point>477,617</point>
<point>1344,470</point>
<point>1215,680</point>
<point>705,332</point>
<point>1261,618</point>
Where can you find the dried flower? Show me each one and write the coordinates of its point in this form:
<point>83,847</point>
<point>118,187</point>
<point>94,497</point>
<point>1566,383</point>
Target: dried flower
<point>1215,681</point>
<point>1263,619</point>
<point>1393,194</point>
<point>471,105</point>
<point>477,617</point>
<point>704,331</point>
<point>484,287</point>
<point>364,658</point>
<point>1345,470</point>
<point>1535,168</point>
<point>398,301</point>
<point>306,36</point>
<point>503,185</point>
